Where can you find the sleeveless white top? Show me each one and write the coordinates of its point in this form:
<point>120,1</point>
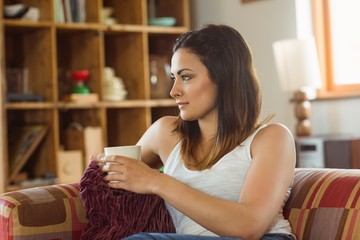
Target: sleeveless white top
<point>224,180</point>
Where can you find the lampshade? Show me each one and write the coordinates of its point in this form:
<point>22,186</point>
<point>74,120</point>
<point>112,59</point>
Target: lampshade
<point>297,64</point>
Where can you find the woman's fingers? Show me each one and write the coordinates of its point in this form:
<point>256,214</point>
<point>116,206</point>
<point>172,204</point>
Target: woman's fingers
<point>96,157</point>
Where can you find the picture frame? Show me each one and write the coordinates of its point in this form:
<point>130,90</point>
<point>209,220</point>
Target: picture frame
<point>25,140</point>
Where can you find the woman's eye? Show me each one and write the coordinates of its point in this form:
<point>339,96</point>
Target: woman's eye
<point>185,77</point>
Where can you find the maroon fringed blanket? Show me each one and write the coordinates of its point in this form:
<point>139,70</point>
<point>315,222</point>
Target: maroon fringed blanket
<point>116,214</point>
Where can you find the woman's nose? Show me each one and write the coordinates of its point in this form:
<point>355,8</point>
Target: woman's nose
<point>175,90</point>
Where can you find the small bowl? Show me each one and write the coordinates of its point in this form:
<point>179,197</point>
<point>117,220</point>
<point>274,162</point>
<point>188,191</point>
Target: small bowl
<point>162,21</point>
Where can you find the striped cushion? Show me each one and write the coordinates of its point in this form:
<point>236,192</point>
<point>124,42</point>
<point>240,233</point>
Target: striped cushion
<point>325,204</point>
<point>52,212</point>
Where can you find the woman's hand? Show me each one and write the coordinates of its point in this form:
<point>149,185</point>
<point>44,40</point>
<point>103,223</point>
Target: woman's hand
<point>96,157</point>
<point>129,174</point>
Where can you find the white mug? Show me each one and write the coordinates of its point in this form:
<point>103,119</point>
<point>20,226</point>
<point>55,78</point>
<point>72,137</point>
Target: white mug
<point>131,151</point>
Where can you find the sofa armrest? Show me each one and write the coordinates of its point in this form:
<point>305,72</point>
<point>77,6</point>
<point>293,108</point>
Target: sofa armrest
<point>51,212</point>
<point>325,204</point>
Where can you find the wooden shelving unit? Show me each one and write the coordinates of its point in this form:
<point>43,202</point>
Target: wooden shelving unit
<point>49,49</point>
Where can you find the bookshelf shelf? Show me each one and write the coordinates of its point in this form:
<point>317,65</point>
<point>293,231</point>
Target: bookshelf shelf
<point>50,50</point>
<point>29,105</point>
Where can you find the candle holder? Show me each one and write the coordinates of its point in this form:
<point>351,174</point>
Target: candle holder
<point>302,113</point>
<point>79,77</point>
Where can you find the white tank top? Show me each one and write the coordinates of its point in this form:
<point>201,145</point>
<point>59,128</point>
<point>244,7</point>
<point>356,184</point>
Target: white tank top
<point>224,180</point>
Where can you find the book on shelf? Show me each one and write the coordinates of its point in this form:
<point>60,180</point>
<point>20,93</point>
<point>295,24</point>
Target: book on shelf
<point>69,11</point>
<point>24,140</point>
<point>59,11</point>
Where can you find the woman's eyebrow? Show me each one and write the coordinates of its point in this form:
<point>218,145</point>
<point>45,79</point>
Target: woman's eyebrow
<point>181,70</point>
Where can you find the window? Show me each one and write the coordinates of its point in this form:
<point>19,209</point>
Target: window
<point>337,33</point>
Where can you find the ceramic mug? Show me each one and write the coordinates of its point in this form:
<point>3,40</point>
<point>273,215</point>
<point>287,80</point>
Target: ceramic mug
<point>132,151</point>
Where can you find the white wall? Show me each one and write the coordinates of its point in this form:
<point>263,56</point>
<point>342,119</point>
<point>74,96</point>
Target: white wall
<point>261,23</point>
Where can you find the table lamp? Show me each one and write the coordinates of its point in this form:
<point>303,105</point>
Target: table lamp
<point>299,72</point>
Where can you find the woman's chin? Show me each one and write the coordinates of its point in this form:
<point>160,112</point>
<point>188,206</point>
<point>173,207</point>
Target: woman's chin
<point>187,117</point>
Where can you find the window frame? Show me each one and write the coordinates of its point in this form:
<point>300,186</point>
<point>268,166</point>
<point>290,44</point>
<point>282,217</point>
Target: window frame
<point>322,33</point>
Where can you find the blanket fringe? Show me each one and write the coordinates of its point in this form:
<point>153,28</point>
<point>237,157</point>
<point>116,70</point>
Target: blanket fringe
<point>117,213</point>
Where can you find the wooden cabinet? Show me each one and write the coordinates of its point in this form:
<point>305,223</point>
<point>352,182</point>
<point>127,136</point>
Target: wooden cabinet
<point>328,151</point>
<point>46,50</point>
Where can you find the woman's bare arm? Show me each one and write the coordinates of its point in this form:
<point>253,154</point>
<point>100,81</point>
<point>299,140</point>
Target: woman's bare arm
<point>158,141</point>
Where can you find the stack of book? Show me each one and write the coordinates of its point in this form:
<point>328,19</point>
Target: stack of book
<point>70,11</point>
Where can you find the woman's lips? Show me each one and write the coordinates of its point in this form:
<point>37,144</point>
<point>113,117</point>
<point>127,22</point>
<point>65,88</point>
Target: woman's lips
<point>181,104</point>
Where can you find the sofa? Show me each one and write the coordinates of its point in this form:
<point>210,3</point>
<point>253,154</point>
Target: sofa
<point>324,204</point>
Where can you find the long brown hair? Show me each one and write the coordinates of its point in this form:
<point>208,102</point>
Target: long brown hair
<point>228,60</point>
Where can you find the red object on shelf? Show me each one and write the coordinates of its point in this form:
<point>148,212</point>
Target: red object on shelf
<point>80,75</point>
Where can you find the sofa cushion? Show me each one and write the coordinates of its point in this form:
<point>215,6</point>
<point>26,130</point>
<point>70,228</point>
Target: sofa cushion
<point>325,204</point>
<point>26,214</point>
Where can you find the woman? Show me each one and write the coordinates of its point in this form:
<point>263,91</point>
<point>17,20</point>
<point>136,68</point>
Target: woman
<point>226,173</point>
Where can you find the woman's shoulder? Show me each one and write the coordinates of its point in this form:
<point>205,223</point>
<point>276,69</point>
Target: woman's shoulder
<point>273,134</point>
<point>160,138</point>
<point>275,130</point>
<point>274,146</point>
<point>167,121</point>
<point>270,134</point>
<point>165,125</point>
<point>166,136</point>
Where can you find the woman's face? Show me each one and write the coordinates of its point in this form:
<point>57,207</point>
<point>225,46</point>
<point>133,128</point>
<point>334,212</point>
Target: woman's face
<point>193,90</point>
